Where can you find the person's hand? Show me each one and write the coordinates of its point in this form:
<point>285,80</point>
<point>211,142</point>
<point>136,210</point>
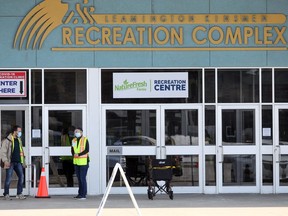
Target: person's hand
<point>76,155</point>
<point>6,165</point>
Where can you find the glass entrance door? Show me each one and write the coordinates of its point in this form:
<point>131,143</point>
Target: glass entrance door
<point>9,117</point>
<point>281,149</point>
<point>59,126</point>
<point>238,149</point>
<point>135,135</point>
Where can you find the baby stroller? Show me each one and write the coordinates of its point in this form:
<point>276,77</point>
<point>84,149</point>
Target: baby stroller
<point>161,170</point>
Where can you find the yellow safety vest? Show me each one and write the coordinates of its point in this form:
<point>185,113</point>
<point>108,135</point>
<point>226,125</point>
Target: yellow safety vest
<point>21,149</point>
<point>83,159</point>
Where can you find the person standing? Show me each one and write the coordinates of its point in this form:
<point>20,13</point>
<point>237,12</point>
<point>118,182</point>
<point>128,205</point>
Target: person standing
<point>80,152</point>
<point>12,155</point>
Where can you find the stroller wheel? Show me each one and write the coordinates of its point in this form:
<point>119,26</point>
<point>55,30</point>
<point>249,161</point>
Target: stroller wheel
<point>171,195</point>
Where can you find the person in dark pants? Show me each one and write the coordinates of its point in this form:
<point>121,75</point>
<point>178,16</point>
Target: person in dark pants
<point>12,154</point>
<point>80,152</point>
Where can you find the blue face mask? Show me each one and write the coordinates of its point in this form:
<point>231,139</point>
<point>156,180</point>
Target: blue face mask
<point>19,134</point>
<point>77,134</point>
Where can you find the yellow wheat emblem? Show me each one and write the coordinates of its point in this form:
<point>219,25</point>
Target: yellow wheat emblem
<point>40,22</point>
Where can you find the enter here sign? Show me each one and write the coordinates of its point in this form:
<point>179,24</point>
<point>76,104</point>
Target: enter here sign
<point>13,84</point>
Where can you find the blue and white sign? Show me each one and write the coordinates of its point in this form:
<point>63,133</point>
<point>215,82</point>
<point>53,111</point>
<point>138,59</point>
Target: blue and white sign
<point>150,85</point>
<point>13,84</point>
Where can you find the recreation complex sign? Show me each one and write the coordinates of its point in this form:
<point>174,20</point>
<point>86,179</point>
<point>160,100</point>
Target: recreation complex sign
<point>82,29</point>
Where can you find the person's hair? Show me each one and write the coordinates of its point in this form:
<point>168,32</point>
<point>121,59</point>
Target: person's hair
<point>79,128</point>
<point>15,128</point>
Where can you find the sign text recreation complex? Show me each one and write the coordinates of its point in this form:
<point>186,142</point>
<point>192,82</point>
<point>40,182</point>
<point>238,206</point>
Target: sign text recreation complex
<point>83,29</point>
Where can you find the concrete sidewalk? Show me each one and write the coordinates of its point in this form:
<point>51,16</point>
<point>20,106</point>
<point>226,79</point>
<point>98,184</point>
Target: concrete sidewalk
<point>121,205</point>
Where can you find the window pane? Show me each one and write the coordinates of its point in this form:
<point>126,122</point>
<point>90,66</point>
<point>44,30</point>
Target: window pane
<point>267,126</point>
<point>62,124</point>
<point>267,166</point>
<point>238,127</point>
<point>281,87</point>
<point>131,127</point>
<point>36,90</point>
<point>238,86</point>
<point>283,127</point>
<point>37,132</point>
<point>283,170</point>
<point>266,85</point>
<point>61,172</point>
<point>209,86</point>
<point>181,127</point>
<point>210,170</point>
<point>11,118</point>
<point>65,86</point>
<point>210,134</point>
<point>239,170</point>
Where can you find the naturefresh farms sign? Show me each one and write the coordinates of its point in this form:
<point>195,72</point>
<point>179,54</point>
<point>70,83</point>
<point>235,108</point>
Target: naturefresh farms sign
<point>150,85</point>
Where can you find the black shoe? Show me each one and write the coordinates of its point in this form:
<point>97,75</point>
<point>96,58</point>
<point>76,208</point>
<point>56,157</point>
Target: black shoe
<point>77,197</point>
<point>81,198</point>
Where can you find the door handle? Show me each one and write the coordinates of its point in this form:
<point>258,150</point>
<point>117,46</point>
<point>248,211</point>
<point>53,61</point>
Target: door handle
<point>277,151</point>
<point>220,154</point>
<point>48,154</point>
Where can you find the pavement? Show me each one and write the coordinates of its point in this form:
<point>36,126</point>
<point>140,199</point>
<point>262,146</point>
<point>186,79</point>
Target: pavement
<point>161,205</point>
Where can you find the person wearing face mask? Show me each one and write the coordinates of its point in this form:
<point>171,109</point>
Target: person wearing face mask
<point>12,155</point>
<point>80,152</point>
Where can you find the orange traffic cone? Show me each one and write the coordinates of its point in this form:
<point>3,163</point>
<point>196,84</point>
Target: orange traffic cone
<point>42,188</point>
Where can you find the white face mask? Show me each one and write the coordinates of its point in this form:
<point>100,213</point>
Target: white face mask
<point>78,134</point>
<point>19,134</point>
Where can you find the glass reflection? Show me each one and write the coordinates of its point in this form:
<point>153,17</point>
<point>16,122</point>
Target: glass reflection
<point>138,169</point>
<point>239,170</point>
<point>238,85</point>
<point>61,126</point>
<point>131,127</point>
<point>61,173</point>
<point>283,170</point>
<point>181,127</point>
<point>210,120</point>
<point>37,162</point>
<point>210,170</point>
<point>238,127</point>
<point>37,132</point>
<point>283,127</point>
<point>267,125</point>
<point>267,167</point>
<point>11,118</point>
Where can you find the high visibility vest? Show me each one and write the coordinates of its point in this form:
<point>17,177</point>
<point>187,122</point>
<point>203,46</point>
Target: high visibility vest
<point>83,159</point>
<point>21,149</point>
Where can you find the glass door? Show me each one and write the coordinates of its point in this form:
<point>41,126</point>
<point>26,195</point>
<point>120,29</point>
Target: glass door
<point>9,117</point>
<point>136,134</point>
<point>182,140</point>
<point>281,149</point>
<point>59,126</point>
<point>238,149</point>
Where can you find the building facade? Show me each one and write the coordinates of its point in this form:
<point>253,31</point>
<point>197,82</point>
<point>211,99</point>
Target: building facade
<point>203,83</point>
